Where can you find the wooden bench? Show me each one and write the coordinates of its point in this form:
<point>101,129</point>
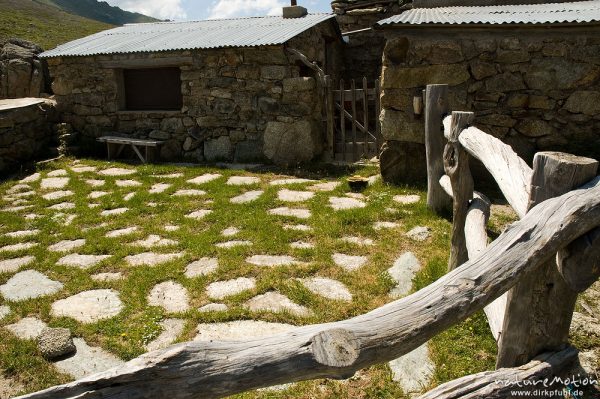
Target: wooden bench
<point>116,144</point>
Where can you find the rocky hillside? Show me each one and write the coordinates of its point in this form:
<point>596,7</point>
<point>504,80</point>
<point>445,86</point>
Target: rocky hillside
<point>98,11</point>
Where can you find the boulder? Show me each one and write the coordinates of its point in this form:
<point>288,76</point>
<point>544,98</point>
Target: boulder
<point>22,73</point>
<point>401,126</point>
<point>584,102</point>
<point>55,342</point>
<point>218,149</point>
<point>291,143</point>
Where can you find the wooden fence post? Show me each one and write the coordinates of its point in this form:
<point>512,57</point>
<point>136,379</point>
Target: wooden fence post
<point>456,165</point>
<point>540,306</point>
<point>436,106</point>
<point>330,110</point>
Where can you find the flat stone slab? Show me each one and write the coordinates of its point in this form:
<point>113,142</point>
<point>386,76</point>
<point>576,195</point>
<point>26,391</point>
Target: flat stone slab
<point>403,271</point>
<point>291,212</point>
<point>171,329</point>
<point>199,214</point>
<point>240,330</point>
<point>357,196</point>
<point>18,188</point>
<point>57,172</point>
<point>189,193</point>
<point>302,245</point>
<point>205,178</point>
<point>4,311</point>
<point>289,181</point>
<point>294,196</point>
<point>230,232</point>
<point>272,260</point>
<point>121,232</point>
<point>343,203</point>
<point>171,296</point>
<point>297,227</point>
<point>83,169</point>
<point>117,172</point>
<point>18,247</point>
<point>107,276</point>
<point>159,188</point>
<point>328,288</point>
<point>62,206</point>
<point>407,199</point>
<point>66,245</point>
<point>14,264</point>
<point>17,208</point>
<point>171,227</point>
<point>248,196</point>
<point>385,225</point>
<point>153,241</point>
<point>349,262</point>
<point>201,267</point>
<point>31,178</point>
<point>29,284</point>
<point>151,258</point>
<point>81,261</point>
<point>223,289</point>
<point>213,307</point>
<point>89,306</point>
<point>276,302</point>
<point>327,186</point>
<point>360,241</point>
<point>64,218</point>
<point>234,243</point>
<point>242,180</point>
<point>27,328</point>
<point>175,175</point>
<point>413,371</point>
<point>113,212</point>
<point>95,182</point>
<point>54,183</point>
<point>419,233</point>
<point>129,196</point>
<point>54,195</point>
<point>87,360</point>
<point>128,183</point>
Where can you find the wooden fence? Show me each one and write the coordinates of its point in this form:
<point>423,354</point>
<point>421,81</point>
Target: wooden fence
<point>555,218</point>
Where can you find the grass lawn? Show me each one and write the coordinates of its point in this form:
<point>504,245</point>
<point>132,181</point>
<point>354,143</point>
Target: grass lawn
<point>464,349</point>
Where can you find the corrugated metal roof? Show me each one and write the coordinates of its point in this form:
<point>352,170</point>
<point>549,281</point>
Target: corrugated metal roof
<point>167,36</point>
<point>548,13</point>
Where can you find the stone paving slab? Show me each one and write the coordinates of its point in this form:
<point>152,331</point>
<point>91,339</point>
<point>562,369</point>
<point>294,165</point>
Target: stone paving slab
<point>290,181</point>
<point>349,262</point>
<point>242,180</point>
<point>199,214</point>
<point>171,227</point>
<point>276,302</point>
<point>121,232</point>
<point>223,289</point>
<point>297,227</point>
<point>272,260</point>
<point>151,258</point>
<point>87,360</point>
<point>57,172</point>
<point>54,195</point>
<point>385,225</point>
<point>128,183</point>
<point>62,206</point>
<point>413,371</point>
<point>327,186</point>
<point>248,196</point>
<point>344,203</point>
<point>4,311</point>
<point>213,307</point>
<point>294,196</point>
<point>113,212</point>
<point>302,245</point>
<point>403,271</point>
<point>234,243</point>
<point>117,172</point>
<point>407,199</point>
<point>54,183</point>
<point>81,261</point>
<point>14,264</point>
<point>189,193</point>
<point>171,296</point>
<point>18,247</point>
<point>29,284</point>
<point>95,182</point>
<point>201,267</point>
<point>66,245</point>
<point>89,306</point>
<point>291,212</point>
<point>419,233</point>
<point>328,288</point>
<point>159,188</point>
<point>27,328</point>
<point>129,196</point>
<point>175,175</point>
<point>241,330</point>
<point>107,276</point>
<point>83,169</point>
<point>153,241</point>
<point>171,329</point>
<point>205,178</point>
<point>360,241</point>
<point>31,178</point>
<point>230,232</point>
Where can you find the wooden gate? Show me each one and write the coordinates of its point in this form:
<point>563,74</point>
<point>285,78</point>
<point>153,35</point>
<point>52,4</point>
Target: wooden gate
<point>353,128</point>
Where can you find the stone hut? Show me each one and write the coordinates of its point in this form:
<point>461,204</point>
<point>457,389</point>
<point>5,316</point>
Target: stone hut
<point>212,90</point>
<point>531,74</point>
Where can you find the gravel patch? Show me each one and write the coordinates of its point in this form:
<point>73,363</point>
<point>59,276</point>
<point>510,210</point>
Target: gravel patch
<point>343,203</point>
<point>291,212</point>
<point>248,196</point>
<point>29,284</point>
<point>223,289</point>
<point>349,262</point>
<point>89,306</point>
<point>276,302</point>
<point>81,261</point>
<point>171,296</point>
<point>241,330</point>
<point>66,245</point>
<point>151,258</point>
<point>328,288</point>
<point>171,329</point>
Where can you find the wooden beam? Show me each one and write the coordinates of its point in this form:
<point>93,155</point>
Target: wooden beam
<point>147,63</point>
<point>330,118</point>
<point>540,307</point>
<point>502,383</point>
<point>354,120</point>
<point>512,174</point>
<point>579,262</point>
<point>337,350</point>
<point>436,106</point>
<point>456,165</point>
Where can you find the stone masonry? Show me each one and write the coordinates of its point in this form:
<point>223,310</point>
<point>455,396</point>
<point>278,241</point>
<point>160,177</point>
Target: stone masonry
<point>243,104</point>
<point>536,90</point>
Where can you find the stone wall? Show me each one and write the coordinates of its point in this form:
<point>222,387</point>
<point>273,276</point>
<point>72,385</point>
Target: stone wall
<point>242,105</point>
<point>22,73</point>
<point>535,89</point>
<point>25,131</point>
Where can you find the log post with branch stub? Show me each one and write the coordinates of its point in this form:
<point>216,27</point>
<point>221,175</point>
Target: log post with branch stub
<point>436,107</point>
<point>456,165</point>
<point>336,350</point>
<point>579,262</point>
<point>540,307</point>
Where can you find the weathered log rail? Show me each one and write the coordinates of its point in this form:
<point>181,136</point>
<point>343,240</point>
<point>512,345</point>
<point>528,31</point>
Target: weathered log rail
<point>562,224</point>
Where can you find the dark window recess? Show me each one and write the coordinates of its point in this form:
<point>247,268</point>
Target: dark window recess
<point>152,89</point>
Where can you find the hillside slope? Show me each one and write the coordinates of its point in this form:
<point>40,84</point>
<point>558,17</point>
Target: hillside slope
<point>43,24</point>
<point>99,11</point>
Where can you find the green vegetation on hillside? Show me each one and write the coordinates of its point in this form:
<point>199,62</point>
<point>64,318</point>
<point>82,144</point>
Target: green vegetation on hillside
<point>44,25</point>
<point>99,11</point>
